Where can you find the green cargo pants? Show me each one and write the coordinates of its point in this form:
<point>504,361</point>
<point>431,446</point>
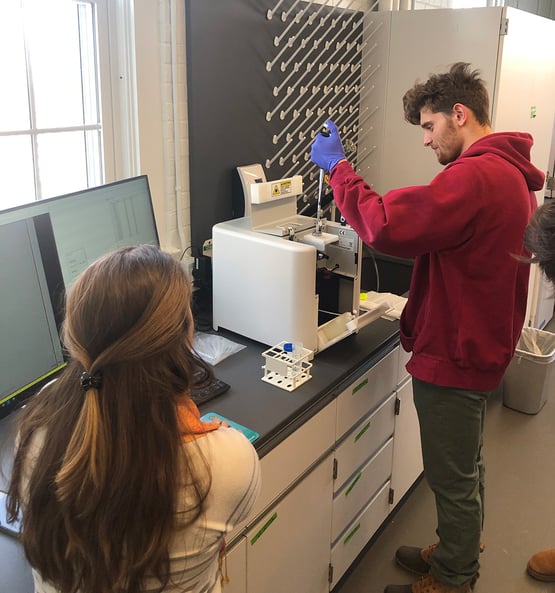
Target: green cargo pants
<point>451,430</point>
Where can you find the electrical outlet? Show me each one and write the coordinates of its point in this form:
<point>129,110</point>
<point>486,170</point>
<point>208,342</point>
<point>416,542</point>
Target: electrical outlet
<point>207,248</point>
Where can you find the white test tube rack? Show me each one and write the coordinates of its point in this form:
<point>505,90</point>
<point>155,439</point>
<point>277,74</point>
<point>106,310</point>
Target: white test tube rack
<point>287,370</point>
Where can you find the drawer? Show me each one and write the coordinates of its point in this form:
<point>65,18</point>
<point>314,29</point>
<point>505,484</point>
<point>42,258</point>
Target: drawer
<point>364,440</point>
<point>361,488</point>
<point>359,533</point>
<point>364,394</point>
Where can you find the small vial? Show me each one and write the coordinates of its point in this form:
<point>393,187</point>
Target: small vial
<point>295,352</point>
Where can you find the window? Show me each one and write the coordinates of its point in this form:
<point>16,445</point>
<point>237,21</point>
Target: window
<point>50,115</point>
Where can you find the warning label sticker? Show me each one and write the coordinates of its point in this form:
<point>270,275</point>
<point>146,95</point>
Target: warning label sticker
<point>283,187</point>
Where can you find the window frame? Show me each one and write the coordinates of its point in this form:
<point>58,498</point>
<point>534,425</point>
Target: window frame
<point>108,70</point>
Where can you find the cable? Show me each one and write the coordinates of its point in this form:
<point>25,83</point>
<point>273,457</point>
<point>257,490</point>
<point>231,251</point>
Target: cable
<point>377,272</point>
<point>189,248</point>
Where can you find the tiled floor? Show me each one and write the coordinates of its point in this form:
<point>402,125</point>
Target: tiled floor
<point>520,508</point>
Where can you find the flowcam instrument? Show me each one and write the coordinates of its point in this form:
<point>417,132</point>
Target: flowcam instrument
<point>278,275</point>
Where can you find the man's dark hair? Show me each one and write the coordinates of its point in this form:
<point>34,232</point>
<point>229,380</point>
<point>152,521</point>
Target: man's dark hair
<point>441,91</point>
<point>539,238</point>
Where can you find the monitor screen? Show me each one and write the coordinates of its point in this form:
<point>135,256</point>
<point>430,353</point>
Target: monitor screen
<point>30,349</point>
<point>44,246</point>
<point>94,221</point>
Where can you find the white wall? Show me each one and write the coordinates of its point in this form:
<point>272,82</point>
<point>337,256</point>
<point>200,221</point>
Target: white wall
<point>157,22</point>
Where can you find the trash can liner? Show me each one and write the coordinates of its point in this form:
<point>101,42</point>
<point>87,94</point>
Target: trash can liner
<point>536,345</point>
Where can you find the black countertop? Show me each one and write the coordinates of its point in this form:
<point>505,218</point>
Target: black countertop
<point>272,412</point>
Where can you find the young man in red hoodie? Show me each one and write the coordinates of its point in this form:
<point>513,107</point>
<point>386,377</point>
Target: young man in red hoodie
<point>467,298</point>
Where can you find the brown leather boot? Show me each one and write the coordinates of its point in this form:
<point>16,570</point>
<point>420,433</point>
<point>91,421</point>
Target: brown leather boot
<point>414,559</point>
<point>418,560</point>
<point>427,584</point>
<point>542,566</point>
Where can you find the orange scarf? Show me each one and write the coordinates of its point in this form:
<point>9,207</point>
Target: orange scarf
<point>190,424</point>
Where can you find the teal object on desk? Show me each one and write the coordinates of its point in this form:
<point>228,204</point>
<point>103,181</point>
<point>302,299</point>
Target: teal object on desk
<point>252,435</point>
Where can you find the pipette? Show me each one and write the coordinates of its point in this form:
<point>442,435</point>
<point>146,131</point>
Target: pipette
<point>319,224</point>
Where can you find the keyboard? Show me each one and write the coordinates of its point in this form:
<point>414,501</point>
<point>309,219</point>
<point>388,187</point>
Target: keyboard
<point>205,394</point>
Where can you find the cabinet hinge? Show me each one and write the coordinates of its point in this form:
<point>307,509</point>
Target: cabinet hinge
<point>397,406</point>
<point>391,495</point>
<point>335,464</point>
<point>330,573</point>
<point>504,30</point>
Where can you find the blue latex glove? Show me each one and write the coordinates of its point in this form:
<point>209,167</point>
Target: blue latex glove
<point>327,151</point>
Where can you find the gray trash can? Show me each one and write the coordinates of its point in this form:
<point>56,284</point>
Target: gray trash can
<point>529,379</point>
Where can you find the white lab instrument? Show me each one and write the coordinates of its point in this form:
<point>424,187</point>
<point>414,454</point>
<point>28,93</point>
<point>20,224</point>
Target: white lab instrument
<point>274,280</point>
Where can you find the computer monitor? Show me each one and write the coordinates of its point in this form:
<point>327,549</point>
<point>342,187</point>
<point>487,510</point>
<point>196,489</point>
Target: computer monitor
<point>44,246</point>
<point>30,349</point>
<point>94,221</point>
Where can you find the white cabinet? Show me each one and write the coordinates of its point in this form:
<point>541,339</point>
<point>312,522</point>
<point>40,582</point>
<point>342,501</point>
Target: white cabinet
<point>402,372</point>
<point>288,549</point>
<point>236,568</point>
<point>407,451</point>
<point>363,461</point>
<point>366,392</point>
<point>365,439</point>
<point>356,492</point>
<point>359,533</point>
<point>282,466</point>
<point>328,487</point>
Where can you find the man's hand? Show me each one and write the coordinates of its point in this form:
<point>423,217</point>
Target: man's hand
<point>327,151</point>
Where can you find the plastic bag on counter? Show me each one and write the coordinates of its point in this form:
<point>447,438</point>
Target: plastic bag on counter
<point>213,349</point>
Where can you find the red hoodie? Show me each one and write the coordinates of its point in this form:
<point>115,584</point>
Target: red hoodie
<point>467,298</point>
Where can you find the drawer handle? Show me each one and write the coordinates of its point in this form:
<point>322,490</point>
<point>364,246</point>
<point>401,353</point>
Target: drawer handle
<point>348,538</point>
<point>360,386</point>
<point>353,484</point>
<point>364,429</point>
<point>263,529</point>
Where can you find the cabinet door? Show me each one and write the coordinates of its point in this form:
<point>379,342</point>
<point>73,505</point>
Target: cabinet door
<point>402,372</point>
<point>289,548</point>
<point>236,563</point>
<point>284,464</point>
<point>407,451</point>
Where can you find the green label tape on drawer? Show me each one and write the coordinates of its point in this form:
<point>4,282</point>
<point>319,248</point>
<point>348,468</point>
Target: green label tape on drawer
<point>353,484</point>
<point>263,529</point>
<point>360,386</point>
<point>361,432</point>
<point>348,538</point>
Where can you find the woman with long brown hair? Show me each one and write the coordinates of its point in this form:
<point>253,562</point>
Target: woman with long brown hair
<point>121,487</point>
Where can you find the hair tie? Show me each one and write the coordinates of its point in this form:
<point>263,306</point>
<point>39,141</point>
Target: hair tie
<point>88,382</point>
